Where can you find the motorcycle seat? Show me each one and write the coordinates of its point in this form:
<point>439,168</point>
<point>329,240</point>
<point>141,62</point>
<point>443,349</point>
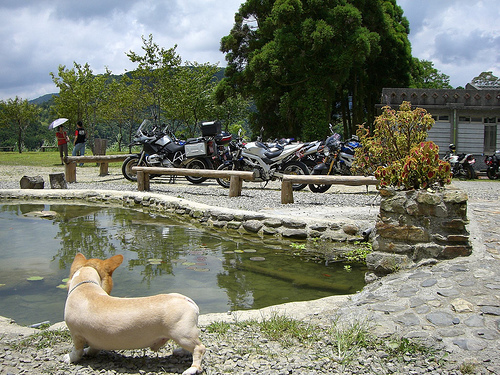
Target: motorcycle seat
<point>272,155</point>
<point>195,140</point>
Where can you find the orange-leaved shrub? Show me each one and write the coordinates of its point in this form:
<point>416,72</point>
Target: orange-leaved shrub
<point>397,153</point>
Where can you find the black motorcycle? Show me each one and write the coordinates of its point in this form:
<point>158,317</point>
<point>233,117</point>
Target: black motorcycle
<point>493,165</point>
<point>161,148</point>
<point>338,157</point>
<point>461,164</point>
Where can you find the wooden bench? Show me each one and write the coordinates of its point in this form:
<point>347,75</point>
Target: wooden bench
<point>236,177</point>
<point>104,160</point>
<point>7,148</point>
<point>289,180</point>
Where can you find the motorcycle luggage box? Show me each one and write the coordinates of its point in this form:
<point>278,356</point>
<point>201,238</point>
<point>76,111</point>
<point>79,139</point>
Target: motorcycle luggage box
<point>211,128</point>
<point>194,148</point>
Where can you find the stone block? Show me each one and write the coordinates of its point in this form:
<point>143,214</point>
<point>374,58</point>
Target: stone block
<point>450,252</point>
<point>32,182</point>
<point>383,263</point>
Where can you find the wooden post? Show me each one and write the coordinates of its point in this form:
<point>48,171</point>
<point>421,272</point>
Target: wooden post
<point>286,192</point>
<point>235,185</point>
<point>103,169</point>
<point>70,171</point>
<point>140,180</point>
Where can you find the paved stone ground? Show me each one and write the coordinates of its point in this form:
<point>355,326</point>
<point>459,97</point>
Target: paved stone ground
<point>452,305</point>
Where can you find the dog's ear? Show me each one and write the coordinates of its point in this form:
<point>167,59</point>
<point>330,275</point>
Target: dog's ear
<point>110,265</point>
<point>113,263</point>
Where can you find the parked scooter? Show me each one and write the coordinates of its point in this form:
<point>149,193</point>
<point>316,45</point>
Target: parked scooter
<point>161,148</point>
<point>338,158</point>
<point>461,164</point>
<point>267,163</point>
<point>493,165</point>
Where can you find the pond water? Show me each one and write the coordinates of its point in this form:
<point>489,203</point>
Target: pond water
<point>161,255</point>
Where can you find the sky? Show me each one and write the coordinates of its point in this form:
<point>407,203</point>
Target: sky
<point>461,37</point>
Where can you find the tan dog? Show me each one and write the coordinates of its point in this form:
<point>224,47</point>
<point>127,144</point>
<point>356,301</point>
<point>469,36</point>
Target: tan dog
<point>102,322</point>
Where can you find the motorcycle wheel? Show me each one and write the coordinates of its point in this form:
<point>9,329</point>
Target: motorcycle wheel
<point>470,174</point>
<point>197,164</point>
<point>296,167</point>
<point>128,163</point>
<point>224,182</point>
<point>490,172</point>
<point>319,188</point>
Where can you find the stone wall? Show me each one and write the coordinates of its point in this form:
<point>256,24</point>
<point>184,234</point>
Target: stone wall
<point>416,225</point>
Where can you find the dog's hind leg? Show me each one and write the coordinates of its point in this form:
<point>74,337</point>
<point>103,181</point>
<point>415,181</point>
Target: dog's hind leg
<point>91,352</point>
<point>77,352</point>
<point>194,346</point>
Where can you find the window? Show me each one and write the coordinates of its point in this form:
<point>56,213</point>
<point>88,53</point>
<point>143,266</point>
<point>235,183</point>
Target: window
<point>490,120</point>
<point>464,119</point>
<point>444,118</point>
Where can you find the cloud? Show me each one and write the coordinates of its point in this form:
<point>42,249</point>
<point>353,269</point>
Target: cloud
<point>37,38</point>
<point>461,37</point>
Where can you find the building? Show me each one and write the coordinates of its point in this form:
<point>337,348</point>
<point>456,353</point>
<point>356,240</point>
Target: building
<point>468,118</point>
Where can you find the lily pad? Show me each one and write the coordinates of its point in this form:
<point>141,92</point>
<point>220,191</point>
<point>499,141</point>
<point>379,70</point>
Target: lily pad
<point>229,252</point>
<point>238,251</point>
<point>2,285</point>
<point>155,261</point>
<point>62,286</point>
<point>65,280</point>
<point>257,259</point>
<point>188,263</point>
<point>35,278</point>
<point>250,251</point>
<point>201,269</point>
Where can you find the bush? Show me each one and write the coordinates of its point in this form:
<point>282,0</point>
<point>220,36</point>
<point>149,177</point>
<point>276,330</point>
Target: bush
<point>397,153</point>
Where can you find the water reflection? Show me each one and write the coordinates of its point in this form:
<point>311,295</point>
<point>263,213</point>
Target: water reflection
<point>162,255</point>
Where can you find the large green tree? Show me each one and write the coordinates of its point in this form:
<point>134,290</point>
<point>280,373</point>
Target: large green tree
<point>297,59</point>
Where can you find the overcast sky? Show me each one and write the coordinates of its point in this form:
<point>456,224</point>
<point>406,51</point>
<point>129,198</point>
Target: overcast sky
<point>461,37</point>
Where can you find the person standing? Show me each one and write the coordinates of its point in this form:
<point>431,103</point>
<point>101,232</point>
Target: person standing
<point>62,142</point>
<point>80,139</point>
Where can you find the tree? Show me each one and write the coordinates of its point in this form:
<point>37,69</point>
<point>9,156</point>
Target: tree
<point>192,101</point>
<point>81,95</point>
<point>425,76</point>
<point>19,114</point>
<point>486,79</point>
<point>155,72</point>
<point>298,59</point>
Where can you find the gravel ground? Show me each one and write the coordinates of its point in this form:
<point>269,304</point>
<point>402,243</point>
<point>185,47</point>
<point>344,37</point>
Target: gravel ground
<point>322,345</point>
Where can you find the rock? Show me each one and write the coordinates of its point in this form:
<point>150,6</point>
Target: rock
<point>461,306</point>
<point>35,182</point>
<point>253,225</point>
<point>57,181</point>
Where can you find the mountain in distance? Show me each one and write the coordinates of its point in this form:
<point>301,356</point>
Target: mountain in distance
<point>43,99</point>
<point>49,97</point>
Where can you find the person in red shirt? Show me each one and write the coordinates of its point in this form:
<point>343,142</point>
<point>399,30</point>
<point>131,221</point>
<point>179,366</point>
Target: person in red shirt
<point>62,142</point>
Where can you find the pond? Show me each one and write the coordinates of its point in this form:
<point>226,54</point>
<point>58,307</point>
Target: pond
<point>161,255</point>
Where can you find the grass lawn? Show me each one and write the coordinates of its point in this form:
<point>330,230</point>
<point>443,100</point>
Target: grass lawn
<point>36,158</point>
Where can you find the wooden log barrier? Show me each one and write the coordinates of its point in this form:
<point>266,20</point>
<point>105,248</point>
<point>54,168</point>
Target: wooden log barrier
<point>236,177</point>
<point>104,160</point>
<point>289,180</point>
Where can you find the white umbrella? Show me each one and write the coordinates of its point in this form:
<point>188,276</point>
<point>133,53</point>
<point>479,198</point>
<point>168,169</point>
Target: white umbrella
<point>54,124</point>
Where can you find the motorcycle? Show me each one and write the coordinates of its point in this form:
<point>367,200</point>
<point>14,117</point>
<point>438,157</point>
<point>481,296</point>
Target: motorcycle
<point>161,148</point>
<point>268,164</point>
<point>338,159</point>
<point>493,165</point>
<point>461,164</point>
